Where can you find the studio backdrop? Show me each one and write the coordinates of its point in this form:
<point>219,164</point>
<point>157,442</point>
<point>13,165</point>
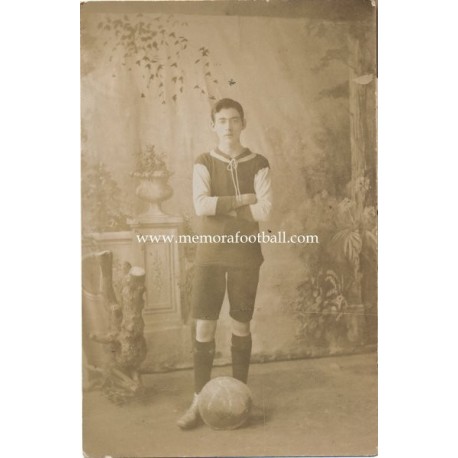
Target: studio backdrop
<point>306,77</point>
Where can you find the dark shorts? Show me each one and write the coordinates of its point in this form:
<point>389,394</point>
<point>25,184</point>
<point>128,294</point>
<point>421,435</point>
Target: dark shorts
<point>209,288</point>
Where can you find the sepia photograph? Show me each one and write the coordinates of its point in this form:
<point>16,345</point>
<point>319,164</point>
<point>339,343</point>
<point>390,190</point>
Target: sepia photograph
<point>229,228</point>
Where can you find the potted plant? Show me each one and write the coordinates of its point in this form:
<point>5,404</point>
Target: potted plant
<point>153,174</point>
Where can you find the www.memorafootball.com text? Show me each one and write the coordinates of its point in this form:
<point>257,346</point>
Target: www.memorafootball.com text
<point>261,237</point>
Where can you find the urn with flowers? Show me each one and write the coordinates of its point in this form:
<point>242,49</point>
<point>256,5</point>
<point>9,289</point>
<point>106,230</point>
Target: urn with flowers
<point>153,174</point>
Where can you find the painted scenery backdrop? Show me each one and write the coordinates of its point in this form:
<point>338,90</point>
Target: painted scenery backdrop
<point>305,73</point>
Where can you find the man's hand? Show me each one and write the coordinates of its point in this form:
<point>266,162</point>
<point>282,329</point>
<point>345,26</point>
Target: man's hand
<point>245,199</point>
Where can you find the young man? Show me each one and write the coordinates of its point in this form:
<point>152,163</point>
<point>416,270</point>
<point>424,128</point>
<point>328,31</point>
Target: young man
<point>232,193</point>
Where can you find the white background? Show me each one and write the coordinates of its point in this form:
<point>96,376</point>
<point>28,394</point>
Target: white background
<point>40,293</point>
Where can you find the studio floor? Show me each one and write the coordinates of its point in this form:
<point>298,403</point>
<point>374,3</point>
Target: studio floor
<point>313,407</point>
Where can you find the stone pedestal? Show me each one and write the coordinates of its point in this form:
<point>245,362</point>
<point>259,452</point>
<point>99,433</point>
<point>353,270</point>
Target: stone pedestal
<point>161,260</point>
<point>167,336</point>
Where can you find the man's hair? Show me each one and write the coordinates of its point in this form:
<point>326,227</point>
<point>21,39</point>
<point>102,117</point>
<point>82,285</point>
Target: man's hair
<point>226,103</point>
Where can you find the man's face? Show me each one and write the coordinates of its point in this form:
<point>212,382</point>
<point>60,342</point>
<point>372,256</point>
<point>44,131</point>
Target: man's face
<point>228,125</point>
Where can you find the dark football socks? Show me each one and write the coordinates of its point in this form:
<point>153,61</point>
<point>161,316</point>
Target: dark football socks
<point>204,353</point>
<point>241,353</point>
